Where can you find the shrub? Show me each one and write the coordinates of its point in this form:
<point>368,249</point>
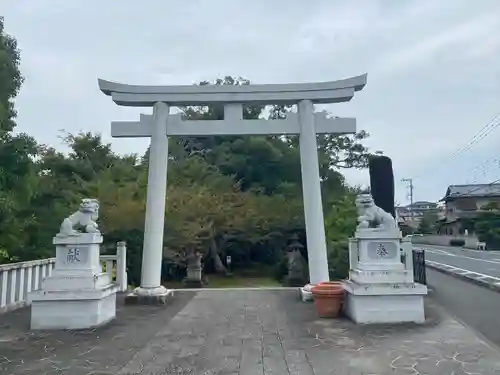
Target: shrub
<point>281,269</point>
<point>133,238</point>
<point>338,260</point>
<point>457,242</point>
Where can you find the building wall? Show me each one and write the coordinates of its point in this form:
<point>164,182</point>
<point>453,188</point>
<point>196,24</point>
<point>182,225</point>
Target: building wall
<point>460,207</point>
<point>451,211</point>
<point>451,229</point>
<point>441,211</point>
<point>431,239</point>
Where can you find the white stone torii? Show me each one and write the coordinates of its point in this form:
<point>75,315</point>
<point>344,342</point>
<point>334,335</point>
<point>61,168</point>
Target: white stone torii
<point>306,123</point>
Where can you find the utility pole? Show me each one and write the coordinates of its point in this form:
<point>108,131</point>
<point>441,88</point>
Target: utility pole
<point>410,192</point>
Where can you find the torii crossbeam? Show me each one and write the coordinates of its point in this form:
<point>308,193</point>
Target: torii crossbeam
<point>231,126</point>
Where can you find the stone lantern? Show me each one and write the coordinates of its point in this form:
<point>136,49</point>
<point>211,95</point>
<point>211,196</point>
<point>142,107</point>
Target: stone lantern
<point>297,267</point>
<point>194,269</point>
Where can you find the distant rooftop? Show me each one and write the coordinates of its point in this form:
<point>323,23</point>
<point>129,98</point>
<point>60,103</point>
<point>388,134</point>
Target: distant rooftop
<point>472,190</point>
<point>418,204</point>
<point>422,203</point>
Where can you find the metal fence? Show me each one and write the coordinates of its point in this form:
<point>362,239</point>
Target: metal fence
<point>419,266</point>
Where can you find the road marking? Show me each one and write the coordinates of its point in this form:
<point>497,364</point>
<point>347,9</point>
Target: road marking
<point>481,251</point>
<point>464,270</point>
<point>461,256</point>
<point>496,252</point>
<point>436,251</point>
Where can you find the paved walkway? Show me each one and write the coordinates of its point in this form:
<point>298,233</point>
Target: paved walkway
<point>244,332</point>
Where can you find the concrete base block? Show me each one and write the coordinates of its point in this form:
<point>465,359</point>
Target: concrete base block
<point>381,277</point>
<point>390,303</point>
<point>72,310</point>
<point>157,299</point>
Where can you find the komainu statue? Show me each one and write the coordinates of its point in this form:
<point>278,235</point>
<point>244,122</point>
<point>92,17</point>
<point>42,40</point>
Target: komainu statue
<point>371,216</point>
<point>86,217</point>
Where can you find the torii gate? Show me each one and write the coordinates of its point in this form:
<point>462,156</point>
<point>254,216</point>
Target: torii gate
<point>306,123</point>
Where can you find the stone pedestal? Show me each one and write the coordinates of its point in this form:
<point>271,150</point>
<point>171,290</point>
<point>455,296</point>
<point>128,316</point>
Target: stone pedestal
<point>77,294</point>
<point>193,277</point>
<point>381,288</point>
<point>193,271</point>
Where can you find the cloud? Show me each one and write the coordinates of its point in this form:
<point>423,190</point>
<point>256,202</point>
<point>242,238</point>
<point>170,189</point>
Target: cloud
<point>433,66</point>
<point>448,44</point>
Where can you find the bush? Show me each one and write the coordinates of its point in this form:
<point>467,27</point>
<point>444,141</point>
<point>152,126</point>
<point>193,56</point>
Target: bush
<point>338,260</point>
<point>281,269</point>
<point>457,242</point>
<point>133,238</point>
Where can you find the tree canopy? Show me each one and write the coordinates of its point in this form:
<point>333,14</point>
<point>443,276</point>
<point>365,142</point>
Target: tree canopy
<point>487,225</point>
<point>428,223</point>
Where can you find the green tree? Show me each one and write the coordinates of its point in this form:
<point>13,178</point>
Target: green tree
<point>340,224</point>
<point>17,171</point>
<point>10,79</point>
<point>487,225</point>
<point>427,224</point>
<point>227,195</point>
<point>270,163</point>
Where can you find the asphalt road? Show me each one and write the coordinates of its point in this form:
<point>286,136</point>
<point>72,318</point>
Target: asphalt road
<point>483,262</point>
<point>476,306</point>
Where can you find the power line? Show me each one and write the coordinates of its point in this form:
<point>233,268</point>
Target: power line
<point>485,130</point>
<point>484,169</point>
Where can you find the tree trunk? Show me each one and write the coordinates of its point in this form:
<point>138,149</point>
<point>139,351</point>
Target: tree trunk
<point>219,266</point>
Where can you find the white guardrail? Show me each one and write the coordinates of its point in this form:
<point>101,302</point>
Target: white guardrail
<point>18,279</point>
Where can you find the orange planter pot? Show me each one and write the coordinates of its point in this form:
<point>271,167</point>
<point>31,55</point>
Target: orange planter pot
<point>334,283</point>
<point>328,299</point>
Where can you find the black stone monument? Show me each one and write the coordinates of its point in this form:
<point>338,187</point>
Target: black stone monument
<point>382,182</point>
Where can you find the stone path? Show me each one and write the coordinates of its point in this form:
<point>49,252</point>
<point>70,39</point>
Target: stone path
<point>250,332</point>
<point>101,351</point>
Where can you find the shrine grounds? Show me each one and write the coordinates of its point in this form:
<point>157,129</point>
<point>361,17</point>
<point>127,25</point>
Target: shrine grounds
<point>244,332</point>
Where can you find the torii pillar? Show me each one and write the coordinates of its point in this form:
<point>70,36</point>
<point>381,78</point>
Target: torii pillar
<point>161,124</point>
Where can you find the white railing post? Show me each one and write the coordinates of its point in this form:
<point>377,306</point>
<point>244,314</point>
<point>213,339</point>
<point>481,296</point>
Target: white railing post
<point>18,279</point>
<point>29,279</point>
<point>121,265</point>
<point>4,274</point>
<point>13,284</point>
<point>21,296</point>
<point>44,272</point>
<point>36,277</point>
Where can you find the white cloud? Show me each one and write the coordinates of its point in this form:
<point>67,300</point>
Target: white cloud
<point>446,45</point>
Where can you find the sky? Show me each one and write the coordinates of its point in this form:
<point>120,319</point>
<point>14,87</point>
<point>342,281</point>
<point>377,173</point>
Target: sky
<point>433,69</point>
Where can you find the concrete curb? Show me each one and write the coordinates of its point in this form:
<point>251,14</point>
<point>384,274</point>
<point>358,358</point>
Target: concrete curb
<point>490,282</point>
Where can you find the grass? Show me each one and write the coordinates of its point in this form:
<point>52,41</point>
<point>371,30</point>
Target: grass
<point>234,281</point>
<point>215,281</point>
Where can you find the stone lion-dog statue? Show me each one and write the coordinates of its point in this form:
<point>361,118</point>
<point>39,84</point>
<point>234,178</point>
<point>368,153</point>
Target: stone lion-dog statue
<point>371,216</point>
<point>86,216</point>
